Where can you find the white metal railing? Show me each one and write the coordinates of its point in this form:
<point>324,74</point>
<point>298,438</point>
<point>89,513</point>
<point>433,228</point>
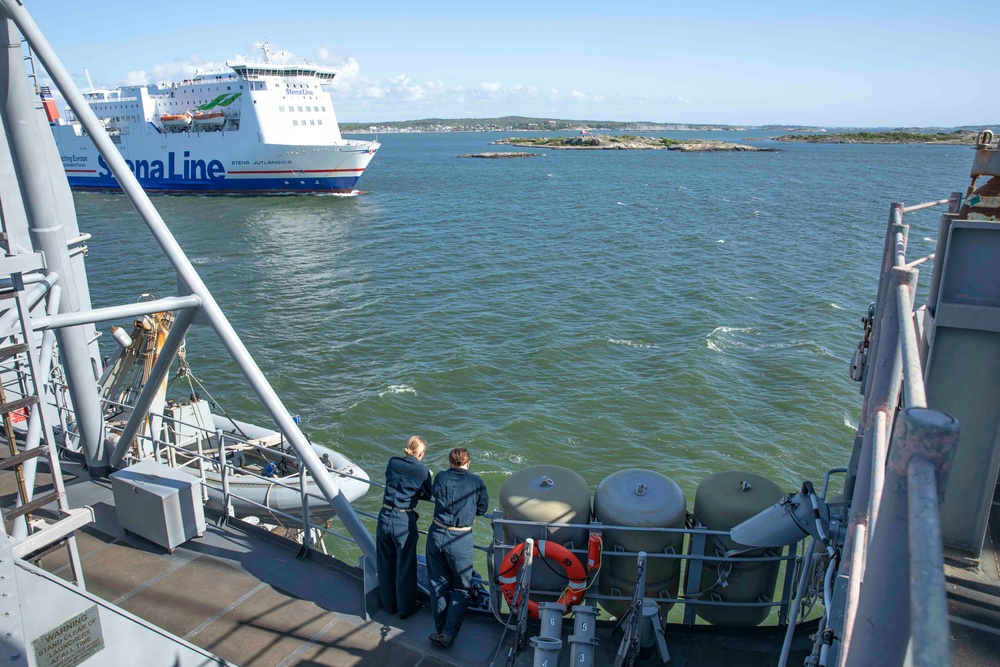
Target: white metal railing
<point>206,461</point>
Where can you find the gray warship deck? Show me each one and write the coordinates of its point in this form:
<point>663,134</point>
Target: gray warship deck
<point>244,595</point>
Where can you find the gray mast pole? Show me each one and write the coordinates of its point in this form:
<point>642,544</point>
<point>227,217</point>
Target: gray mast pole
<point>32,151</point>
<point>190,278</point>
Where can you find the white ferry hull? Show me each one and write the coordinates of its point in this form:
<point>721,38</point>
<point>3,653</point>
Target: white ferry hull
<point>214,162</point>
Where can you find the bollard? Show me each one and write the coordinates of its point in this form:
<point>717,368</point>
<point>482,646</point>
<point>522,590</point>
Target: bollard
<point>546,651</point>
<point>551,615</point>
<point>584,620</point>
<point>581,652</point>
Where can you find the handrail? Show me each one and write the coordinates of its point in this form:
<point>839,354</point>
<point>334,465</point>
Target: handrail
<point>234,438</point>
<point>899,512</point>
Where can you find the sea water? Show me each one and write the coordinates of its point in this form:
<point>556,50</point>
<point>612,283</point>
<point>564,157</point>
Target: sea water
<point>684,312</point>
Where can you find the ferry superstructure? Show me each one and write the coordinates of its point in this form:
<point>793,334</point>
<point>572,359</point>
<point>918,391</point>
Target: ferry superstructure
<point>262,127</point>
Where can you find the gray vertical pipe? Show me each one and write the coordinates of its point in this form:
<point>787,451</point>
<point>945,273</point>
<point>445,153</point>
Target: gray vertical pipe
<point>886,375</point>
<point>156,378</point>
<point>905,282</point>
<point>856,466</point>
<point>190,278</point>
<point>32,152</point>
<point>882,626</point>
<point>929,610</point>
<point>895,217</point>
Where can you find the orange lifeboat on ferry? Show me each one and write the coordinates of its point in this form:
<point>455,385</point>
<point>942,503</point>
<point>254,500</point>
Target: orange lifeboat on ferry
<point>205,119</point>
<point>176,121</point>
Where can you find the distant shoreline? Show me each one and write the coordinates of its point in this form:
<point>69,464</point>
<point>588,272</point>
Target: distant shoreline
<point>959,137</point>
<point>530,124</point>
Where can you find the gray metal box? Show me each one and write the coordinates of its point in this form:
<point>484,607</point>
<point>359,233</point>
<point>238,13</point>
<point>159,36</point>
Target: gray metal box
<point>159,503</point>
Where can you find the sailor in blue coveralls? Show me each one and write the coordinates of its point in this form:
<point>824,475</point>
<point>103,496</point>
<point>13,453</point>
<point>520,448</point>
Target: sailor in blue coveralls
<point>407,480</point>
<point>459,496</point>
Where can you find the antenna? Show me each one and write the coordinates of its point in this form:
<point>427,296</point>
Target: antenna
<point>266,48</point>
<point>90,84</point>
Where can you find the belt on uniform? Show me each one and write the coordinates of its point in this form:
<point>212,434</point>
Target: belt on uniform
<point>396,509</point>
<point>462,529</point>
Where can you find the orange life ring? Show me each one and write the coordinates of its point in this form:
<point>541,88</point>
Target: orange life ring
<point>553,551</point>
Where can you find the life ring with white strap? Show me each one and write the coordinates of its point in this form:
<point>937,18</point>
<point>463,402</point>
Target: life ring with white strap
<point>575,589</point>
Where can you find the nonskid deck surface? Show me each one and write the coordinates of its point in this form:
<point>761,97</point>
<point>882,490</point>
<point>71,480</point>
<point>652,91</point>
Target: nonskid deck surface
<point>244,597</point>
<point>974,599</point>
<point>249,600</point>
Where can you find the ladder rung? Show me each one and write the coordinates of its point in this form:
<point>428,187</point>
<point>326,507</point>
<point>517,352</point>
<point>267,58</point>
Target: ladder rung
<point>26,455</point>
<point>15,512</point>
<point>18,404</point>
<point>13,350</point>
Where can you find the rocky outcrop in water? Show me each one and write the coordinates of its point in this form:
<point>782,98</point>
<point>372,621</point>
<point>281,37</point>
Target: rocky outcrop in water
<point>500,155</point>
<point>627,142</point>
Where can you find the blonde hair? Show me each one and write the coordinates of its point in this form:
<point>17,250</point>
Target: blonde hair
<point>459,457</point>
<point>414,446</point>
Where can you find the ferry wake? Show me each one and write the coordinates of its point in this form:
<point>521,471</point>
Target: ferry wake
<point>263,127</point>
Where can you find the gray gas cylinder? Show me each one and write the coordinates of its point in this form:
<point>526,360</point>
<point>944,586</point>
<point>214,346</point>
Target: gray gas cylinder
<point>724,500</point>
<point>546,494</point>
<point>641,499</point>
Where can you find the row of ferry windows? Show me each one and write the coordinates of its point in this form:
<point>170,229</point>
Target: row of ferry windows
<point>293,109</point>
<point>311,122</point>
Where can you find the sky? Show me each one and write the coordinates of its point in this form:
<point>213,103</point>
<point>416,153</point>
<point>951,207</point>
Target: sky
<point>831,64</point>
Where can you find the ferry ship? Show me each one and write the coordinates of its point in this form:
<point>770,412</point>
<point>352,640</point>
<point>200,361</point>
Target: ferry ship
<point>264,127</point>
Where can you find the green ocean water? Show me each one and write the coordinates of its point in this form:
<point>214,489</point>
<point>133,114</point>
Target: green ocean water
<point>687,313</point>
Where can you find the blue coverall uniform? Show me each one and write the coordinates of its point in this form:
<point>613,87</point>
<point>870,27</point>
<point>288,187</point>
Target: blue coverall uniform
<point>459,496</point>
<point>407,480</point>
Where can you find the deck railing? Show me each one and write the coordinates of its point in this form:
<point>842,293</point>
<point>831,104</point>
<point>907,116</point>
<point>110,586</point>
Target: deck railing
<point>897,477</point>
<point>689,571</point>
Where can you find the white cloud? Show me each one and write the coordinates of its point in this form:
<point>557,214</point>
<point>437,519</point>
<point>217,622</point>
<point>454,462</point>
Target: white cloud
<point>406,88</point>
<point>137,78</point>
<point>176,70</point>
<point>347,72</point>
<point>682,100</point>
<point>399,95</point>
